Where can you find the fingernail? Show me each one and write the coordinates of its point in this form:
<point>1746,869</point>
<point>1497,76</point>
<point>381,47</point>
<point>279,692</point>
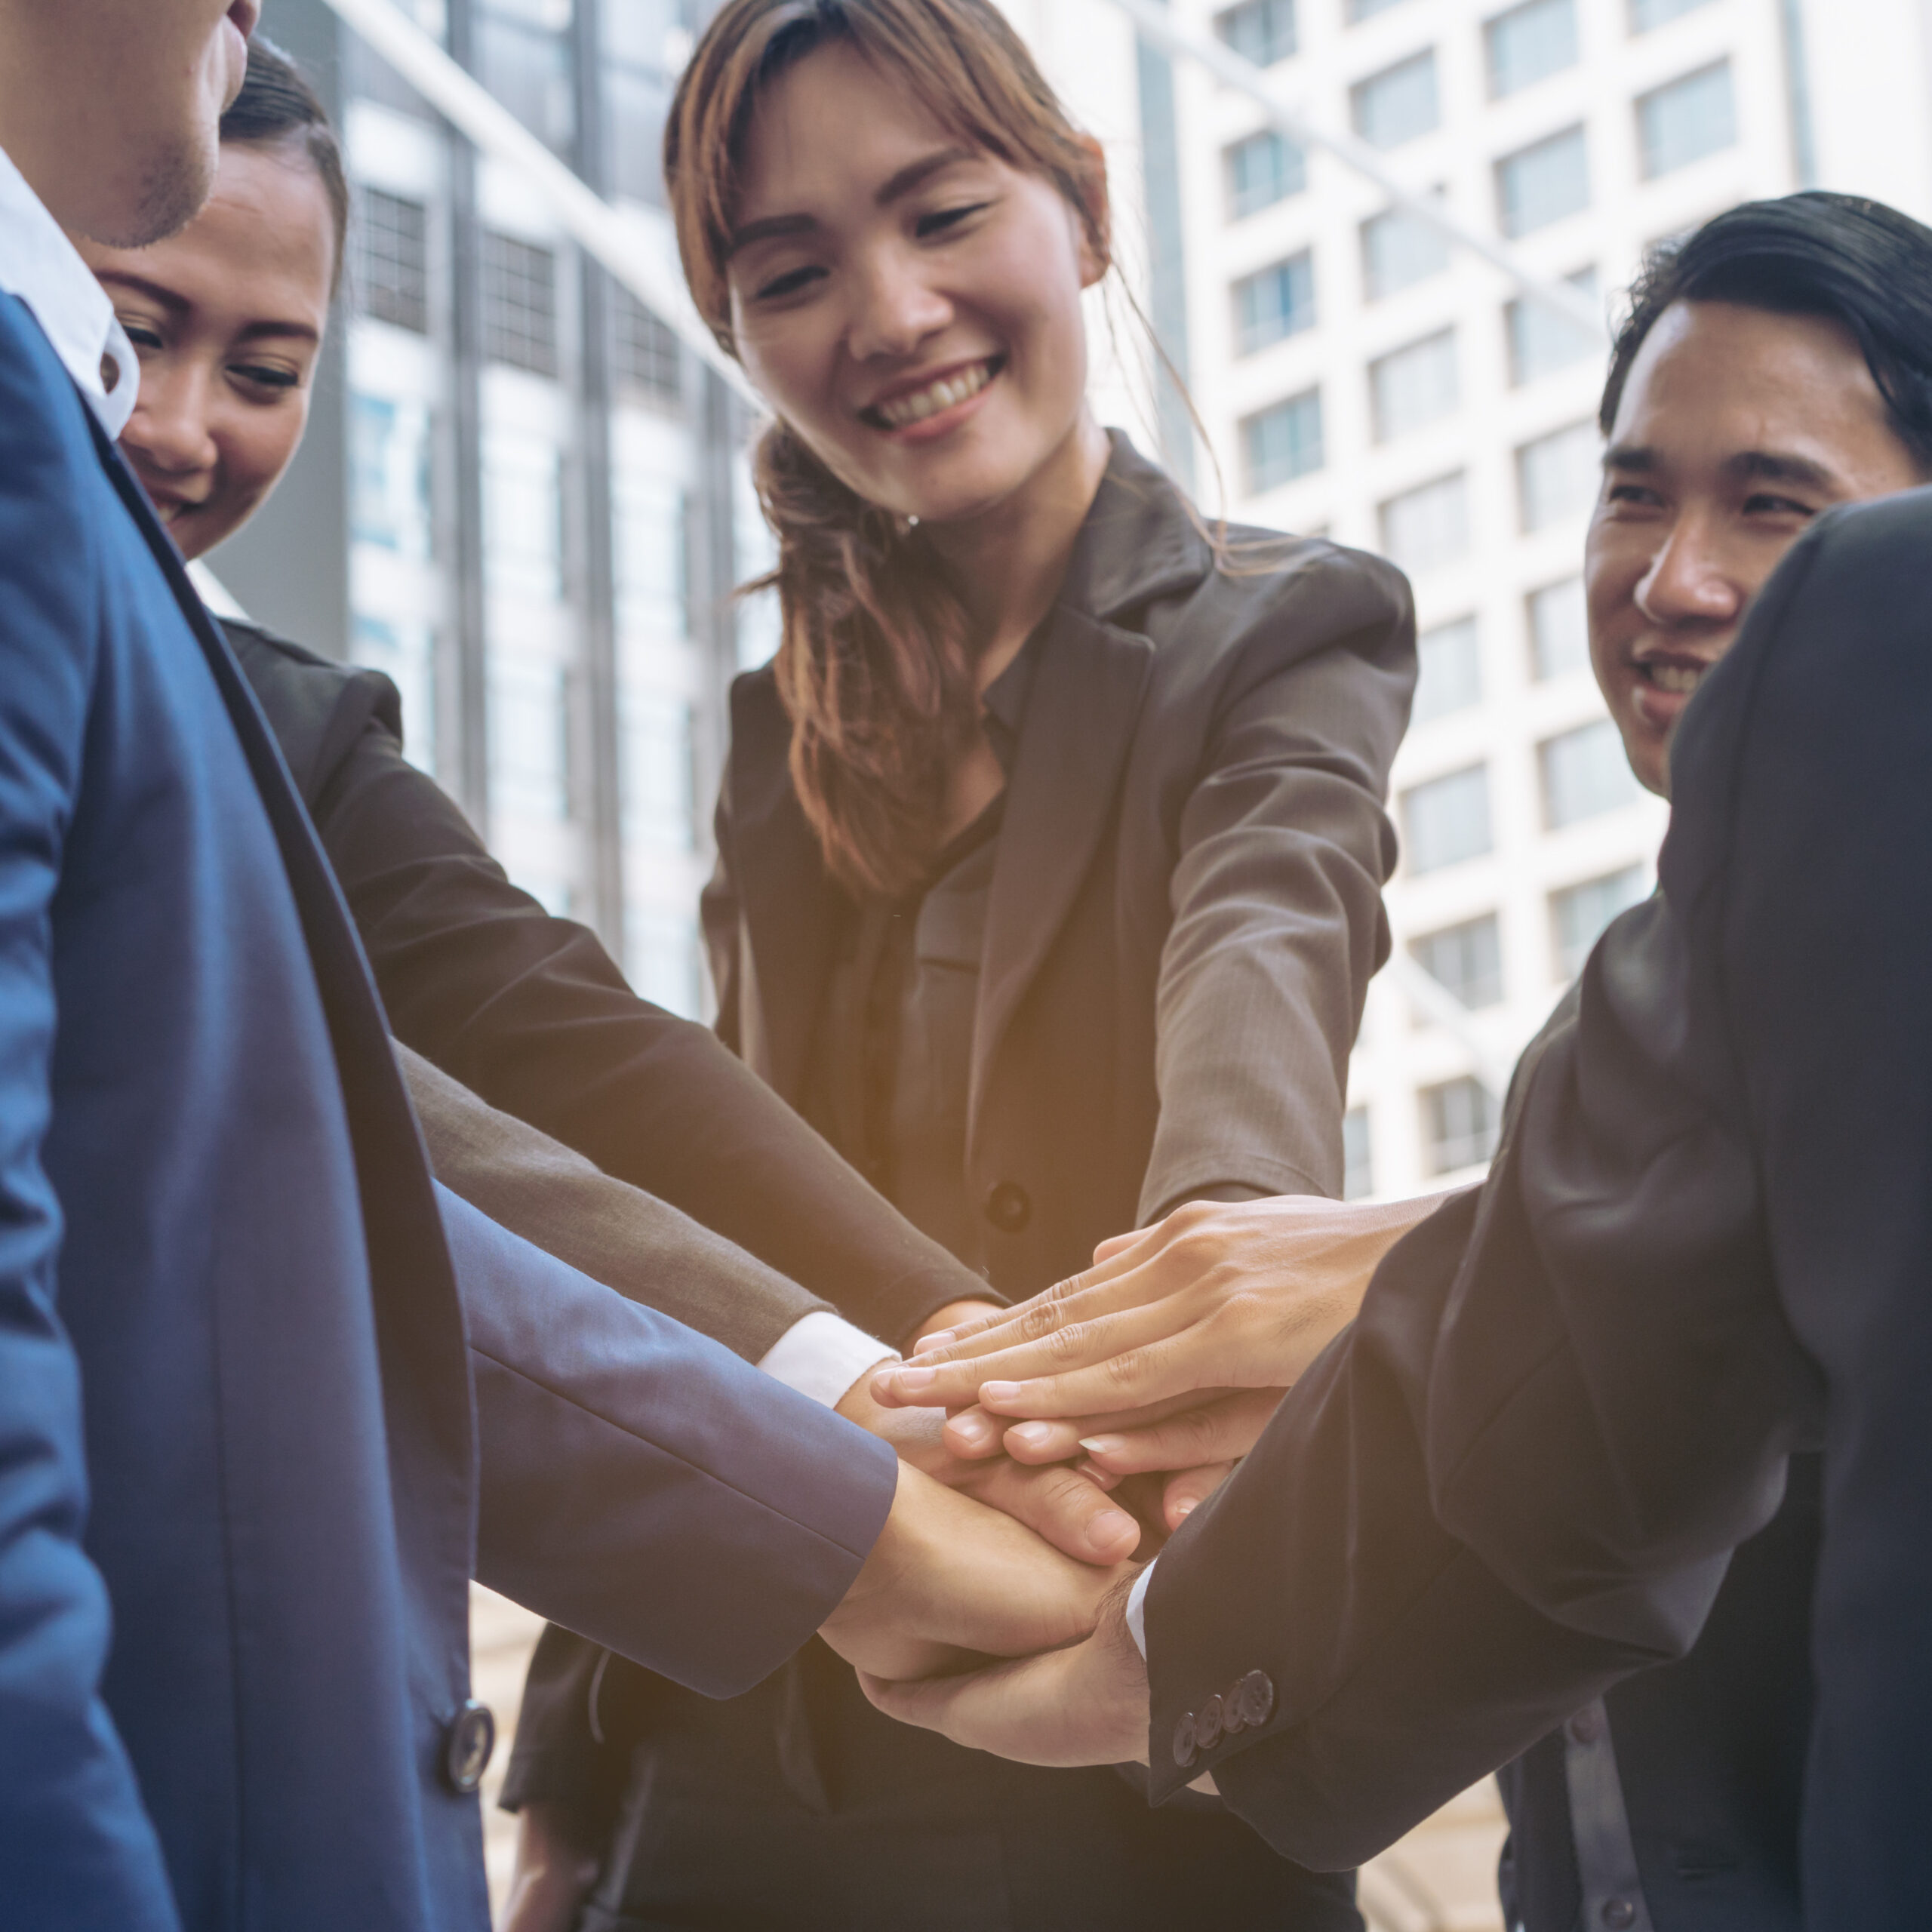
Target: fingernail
<point>1183,1508</point>
<point>996,1392</point>
<point>1103,1445</point>
<point>909,1381</point>
<point>1110,1525</point>
<point>975,1429</point>
<point>1035,1434</point>
<point>937,1339</point>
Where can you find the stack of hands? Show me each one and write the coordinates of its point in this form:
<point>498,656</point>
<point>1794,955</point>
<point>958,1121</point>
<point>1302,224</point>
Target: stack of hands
<point>1140,1382</point>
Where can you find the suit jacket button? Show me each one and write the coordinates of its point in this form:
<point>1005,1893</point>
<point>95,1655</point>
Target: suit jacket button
<point>472,1737</point>
<point>1618,1913</point>
<point>1254,1698</point>
<point>1185,1749</point>
<point>1210,1724</point>
<point>1009,1207</point>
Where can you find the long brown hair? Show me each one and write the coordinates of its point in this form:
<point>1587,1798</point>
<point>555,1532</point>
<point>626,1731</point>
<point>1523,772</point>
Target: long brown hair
<point>875,663</point>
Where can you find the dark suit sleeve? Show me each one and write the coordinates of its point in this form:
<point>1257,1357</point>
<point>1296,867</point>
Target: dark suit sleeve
<point>615,1234</point>
<point>530,1013</point>
<point>640,1485</point>
<point>1283,846</point>
<point>76,1846</point>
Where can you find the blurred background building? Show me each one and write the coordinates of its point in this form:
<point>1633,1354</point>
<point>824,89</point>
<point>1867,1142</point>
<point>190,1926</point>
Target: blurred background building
<point>525,498</point>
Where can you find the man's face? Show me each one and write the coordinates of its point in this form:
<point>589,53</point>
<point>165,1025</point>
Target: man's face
<point>109,107</point>
<point>1735,430</point>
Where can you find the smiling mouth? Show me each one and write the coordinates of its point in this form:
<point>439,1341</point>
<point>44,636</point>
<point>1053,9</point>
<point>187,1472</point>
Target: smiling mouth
<point>1679,677</point>
<point>901,412</point>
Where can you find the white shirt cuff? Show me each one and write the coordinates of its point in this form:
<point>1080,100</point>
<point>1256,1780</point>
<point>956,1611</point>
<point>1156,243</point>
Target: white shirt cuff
<point>821,1354</point>
<point>1136,1610</point>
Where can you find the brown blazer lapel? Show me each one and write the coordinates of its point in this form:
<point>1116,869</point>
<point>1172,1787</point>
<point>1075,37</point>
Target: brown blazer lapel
<point>787,901</point>
<point>1073,743</point>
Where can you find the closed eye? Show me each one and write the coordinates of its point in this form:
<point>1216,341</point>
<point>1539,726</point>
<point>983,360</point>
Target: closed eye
<point>946,219</point>
<point>1766,505</point>
<point>266,376</point>
<point>791,283</point>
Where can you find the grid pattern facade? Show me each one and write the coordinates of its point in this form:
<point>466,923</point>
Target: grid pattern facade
<point>1457,435</point>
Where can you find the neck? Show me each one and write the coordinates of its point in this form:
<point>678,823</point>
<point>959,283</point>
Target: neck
<point>1011,560</point>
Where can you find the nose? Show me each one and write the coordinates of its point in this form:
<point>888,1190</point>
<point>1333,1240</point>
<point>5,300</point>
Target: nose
<point>171,429</point>
<point>897,308</point>
<point>1688,582</point>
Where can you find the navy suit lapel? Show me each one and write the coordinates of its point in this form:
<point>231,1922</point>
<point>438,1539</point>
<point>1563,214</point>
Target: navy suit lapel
<point>1080,719</point>
<point>790,903</point>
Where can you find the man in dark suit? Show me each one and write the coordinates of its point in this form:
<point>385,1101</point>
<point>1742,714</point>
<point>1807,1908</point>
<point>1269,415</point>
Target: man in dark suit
<point>267,1397</point>
<point>1774,363</point>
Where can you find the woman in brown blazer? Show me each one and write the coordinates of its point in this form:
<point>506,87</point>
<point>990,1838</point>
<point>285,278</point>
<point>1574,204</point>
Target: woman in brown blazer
<point>1050,860</point>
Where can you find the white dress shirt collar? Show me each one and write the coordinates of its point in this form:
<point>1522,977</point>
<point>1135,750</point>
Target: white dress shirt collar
<point>41,267</point>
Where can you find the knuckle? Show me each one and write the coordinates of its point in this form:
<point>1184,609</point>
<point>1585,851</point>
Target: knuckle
<point>1125,1370</point>
<point>1063,1346</point>
<point>1040,1320</point>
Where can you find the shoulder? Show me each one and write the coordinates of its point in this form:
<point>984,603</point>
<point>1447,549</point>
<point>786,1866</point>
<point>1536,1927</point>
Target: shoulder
<point>47,459</point>
<point>317,708</point>
<point>1298,595</point>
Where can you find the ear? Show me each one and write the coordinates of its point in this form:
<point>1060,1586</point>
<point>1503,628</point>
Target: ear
<point>1096,228</point>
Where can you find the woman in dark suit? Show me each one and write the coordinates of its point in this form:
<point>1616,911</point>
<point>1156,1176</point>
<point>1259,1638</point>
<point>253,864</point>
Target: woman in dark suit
<point>1050,858</point>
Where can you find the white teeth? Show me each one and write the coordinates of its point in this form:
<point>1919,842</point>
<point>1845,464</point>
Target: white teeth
<point>936,396</point>
<point>1681,678</point>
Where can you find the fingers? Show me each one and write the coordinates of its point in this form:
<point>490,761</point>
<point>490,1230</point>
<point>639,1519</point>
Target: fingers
<point>973,1434</point>
<point>1065,1507</point>
<point>1216,1432</point>
<point>1192,1488</point>
<point>1035,1443</point>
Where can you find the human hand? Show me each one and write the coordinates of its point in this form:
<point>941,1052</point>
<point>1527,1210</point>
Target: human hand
<point>1086,1704</point>
<point>1064,1505</point>
<point>950,1580</point>
<point>551,1875</point>
<point>1219,1297</point>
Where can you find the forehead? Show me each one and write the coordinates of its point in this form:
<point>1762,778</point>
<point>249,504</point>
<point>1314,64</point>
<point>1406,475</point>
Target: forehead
<point>1718,372</point>
<point>831,126</point>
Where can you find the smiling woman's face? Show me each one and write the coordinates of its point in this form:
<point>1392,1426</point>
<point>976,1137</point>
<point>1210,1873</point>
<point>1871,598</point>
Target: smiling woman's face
<point>908,304</point>
<point>227,318</point>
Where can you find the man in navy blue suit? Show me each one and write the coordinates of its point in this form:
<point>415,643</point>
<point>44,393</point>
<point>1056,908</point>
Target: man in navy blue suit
<point>268,1398</point>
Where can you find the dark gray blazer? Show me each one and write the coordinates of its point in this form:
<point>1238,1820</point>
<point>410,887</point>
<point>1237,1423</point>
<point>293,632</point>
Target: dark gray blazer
<point>1704,1248</point>
<point>1186,905</point>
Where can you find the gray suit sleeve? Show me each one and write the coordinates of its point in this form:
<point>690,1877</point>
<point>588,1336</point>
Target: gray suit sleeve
<point>615,1234</point>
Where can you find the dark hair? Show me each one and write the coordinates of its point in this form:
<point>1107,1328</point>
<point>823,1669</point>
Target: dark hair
<point>1856,263</point>
<point>278,108</point>
<point>875,662</point>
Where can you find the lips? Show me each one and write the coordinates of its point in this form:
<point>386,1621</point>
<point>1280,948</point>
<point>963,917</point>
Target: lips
<point>1679,679</point>
<point>900,411</point>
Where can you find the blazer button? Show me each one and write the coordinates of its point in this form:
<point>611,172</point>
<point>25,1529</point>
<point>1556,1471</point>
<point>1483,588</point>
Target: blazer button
<point>1009,1207</point>
<point>1185,1749</point>
<point>1618,1913</point>
<point>1254,1698</point>
<point>1209,1725</point>
<point>472,1737</point>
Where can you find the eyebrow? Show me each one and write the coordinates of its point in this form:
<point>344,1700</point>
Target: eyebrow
<point>176,304</point>
<point>915,174</point>
<point>1751,466</point>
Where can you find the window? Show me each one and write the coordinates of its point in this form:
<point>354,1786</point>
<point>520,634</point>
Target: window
<point>392,260</point>
<point>1427,527</point>
<point>1645,14</point>
<point>1529,43</point>
<point>1459,1125</point>
<point>1412,386</point>
<point>1579,914</point>
<point>659,785</point>
<point>1451,676</point>
<point>389,474</point>
<point>519,304</point>
<point>1542,183</point>
<point>527,65</point>
<point>1276,303</point>
<point>634,106</point>
<point>1686,121</point>
<point>661,959</point>
<point>1367,10</point>
<point>1398,249</point>
<point>1446,820</point>
<point>1284,442</point>
<point>1557,475</point>
<point>1262,31</point>
<point>1559,630</point>
<point>1584,773</point>
<point>1466,960</point>
<point>404,652</point>
<point>1398,104</point>
<point>528,756</point>
<point>648,529</point>
<point>646,361</point>
<point>523,531</point>
<point>1542,342</point>
<point>1358,1159</point>
<point>1263,169</point>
